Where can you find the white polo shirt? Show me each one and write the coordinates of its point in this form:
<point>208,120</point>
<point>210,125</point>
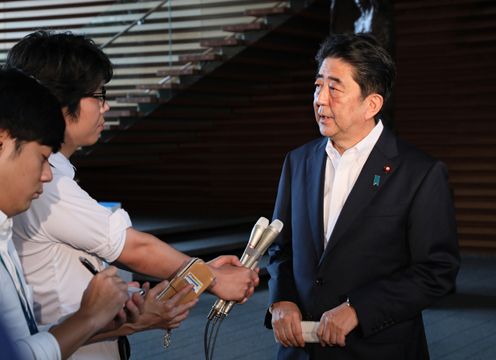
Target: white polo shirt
<point>63,224</point>
<point>40,346</point>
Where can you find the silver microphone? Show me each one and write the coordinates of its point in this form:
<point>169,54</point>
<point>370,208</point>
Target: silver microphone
<point>256,234</point>
<point>253,252</point>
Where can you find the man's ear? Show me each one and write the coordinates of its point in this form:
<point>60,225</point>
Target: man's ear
<point>374,105</point>
<point>5,140</point>
<point>4,134</point>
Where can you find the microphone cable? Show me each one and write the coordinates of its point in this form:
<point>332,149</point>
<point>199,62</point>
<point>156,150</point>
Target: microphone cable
<point>210,335</point>
<point>261,237</point>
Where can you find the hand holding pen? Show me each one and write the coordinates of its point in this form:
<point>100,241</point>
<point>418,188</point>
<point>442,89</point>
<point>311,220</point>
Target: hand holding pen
<point>132,308</point>
<point>153,313</point>
<point>104,300</point>
<point>88,265</point>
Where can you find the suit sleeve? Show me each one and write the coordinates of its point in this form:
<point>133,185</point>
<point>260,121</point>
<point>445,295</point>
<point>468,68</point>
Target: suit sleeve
<point>432,242</point>
<point>281,284</point>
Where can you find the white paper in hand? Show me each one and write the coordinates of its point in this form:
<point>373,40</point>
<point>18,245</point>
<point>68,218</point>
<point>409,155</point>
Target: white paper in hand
<point>309,330</point>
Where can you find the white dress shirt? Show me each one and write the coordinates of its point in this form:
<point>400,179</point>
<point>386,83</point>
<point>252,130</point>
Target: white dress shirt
<point>341,174</point>
<point>41,345</point>
<point>63,224</point>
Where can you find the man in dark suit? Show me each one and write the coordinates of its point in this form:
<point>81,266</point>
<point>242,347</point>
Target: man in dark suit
<point>370,235</point>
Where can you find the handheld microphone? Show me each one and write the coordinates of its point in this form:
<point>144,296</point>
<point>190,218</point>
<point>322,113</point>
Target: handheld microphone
<point>256,234</point>
<point>261,238</point>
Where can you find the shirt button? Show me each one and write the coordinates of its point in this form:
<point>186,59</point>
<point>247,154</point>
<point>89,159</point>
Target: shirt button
<point>319,281</point>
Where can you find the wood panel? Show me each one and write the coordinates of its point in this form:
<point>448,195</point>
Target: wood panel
<point>444,101</point>
<point>219,146</point>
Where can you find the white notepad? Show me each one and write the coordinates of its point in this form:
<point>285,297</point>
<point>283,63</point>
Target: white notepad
<point>309,330</point>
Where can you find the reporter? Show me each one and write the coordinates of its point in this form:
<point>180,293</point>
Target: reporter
<point>65,222</point>
<point>31,127</point>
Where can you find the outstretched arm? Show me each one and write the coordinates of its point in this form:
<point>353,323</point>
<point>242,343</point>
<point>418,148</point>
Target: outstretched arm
<point>146,254</point>
<point>233,282</point>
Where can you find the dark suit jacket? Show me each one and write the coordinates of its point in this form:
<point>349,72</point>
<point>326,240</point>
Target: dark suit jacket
<point>393,250</point>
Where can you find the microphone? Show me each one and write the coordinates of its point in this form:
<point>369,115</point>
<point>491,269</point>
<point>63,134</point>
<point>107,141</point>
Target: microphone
<point>256,234</point>
<point>262,236</point>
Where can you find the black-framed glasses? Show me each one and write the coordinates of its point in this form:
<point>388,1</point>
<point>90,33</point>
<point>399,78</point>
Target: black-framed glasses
<point>100,95</point>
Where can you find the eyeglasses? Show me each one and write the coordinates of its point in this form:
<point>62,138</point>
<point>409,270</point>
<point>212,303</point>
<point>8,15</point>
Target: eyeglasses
<point>100,95</point>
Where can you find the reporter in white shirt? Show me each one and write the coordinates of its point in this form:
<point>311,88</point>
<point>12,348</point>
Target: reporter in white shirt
<point>66,222</point>
<point>31,127</point>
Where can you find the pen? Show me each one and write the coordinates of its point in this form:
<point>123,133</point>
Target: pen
<point>88,265</point>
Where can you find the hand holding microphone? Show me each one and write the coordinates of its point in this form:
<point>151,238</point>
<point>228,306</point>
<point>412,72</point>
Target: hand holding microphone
<point>233,281</point>
<point>261,238</point>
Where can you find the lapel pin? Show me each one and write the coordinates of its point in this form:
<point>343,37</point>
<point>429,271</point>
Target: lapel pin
<point>377,180</point>
<point>387,169</point>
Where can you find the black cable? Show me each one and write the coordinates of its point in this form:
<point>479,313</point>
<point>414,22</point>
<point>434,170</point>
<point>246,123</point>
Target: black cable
<point>210,335</point>
<point>205,336</point>
<point>215,337</point>
<point>212,332</point>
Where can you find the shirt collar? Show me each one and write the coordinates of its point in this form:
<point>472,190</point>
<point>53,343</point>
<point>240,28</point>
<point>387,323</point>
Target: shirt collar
<point>62,164</point>
<point>368,142</point>
<point>5,230</point>
<point>364,146</point>
<point>5,221</point>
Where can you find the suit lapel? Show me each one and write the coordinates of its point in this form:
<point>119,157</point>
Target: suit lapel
<point>371,179</point>
<point>315,173</point>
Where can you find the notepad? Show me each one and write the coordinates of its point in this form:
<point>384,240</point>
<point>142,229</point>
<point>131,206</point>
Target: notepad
<point>195,273</point>
<point>309,330</point>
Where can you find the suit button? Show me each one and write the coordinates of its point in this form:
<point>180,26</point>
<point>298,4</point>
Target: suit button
<point>319,281</point>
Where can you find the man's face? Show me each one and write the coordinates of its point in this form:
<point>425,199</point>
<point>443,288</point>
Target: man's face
<point>86,130</point>
<point>22,173</point>
<point>340,111</point>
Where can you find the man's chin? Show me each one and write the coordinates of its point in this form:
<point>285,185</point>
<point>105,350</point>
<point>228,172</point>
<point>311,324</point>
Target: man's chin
<point>327,131</point>
<point>23,209</point>
<point>93,141</point>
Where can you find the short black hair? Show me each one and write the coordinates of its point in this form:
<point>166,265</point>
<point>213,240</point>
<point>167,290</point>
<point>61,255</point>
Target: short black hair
<point>70,65</point>
<point>29,111</point>
<point>375,71</point>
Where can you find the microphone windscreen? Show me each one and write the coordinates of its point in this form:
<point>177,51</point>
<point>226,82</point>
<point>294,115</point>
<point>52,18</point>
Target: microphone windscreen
<point>277,225</point>
<point>264,222</point>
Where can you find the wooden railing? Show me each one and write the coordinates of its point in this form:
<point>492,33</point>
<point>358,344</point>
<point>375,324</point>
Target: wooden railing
<point>150,43</point>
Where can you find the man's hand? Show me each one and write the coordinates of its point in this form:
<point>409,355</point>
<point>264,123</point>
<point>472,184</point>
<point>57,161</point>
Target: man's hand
<point>286,322</point>
<point>104,298</point>
<point>159,314</point>
<point>135,305</point>
<point>232,280</point>
<point>335,324</point>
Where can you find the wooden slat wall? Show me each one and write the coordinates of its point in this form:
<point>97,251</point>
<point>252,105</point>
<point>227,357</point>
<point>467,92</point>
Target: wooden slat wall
<point>446,57</point>
<point>219,146</point>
